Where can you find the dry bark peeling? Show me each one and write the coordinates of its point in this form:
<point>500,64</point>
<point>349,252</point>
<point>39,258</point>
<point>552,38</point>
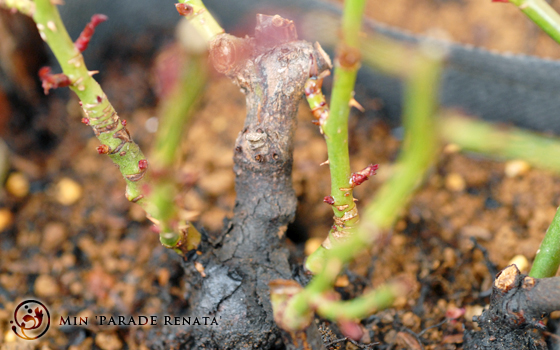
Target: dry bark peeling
<point>271,69</point>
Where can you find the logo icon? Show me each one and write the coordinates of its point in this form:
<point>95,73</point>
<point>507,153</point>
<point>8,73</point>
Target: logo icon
<point>30,320</point>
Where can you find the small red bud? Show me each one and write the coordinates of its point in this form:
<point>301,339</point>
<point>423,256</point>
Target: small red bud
<point>99,99</point>
<point>359,177</point>
<point>184,9</point>
<point>81,104</point>
<point>123,123</point>
<point>329,200</point>
<point>103,149</point>
<point>143,164</point>
<point>52,81</point>
<point>85,121</point>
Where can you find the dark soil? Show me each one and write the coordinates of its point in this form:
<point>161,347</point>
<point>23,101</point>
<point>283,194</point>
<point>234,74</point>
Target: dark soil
<point>72,240</point>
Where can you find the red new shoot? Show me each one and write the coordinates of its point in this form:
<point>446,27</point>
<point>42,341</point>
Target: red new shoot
<point>83,40</point>
<point>52,81</point>
<point>359,177</point>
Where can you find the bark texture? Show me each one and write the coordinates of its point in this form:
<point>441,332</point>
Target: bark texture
<point>514,319</point>
<point>271,69</point>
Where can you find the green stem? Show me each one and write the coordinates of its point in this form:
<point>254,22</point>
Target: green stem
<point>108,127</point>
<point>419,152</point>
<point>335,129</point>
<point>363,306</point>
<point>540,12</point>
<point>176,113</point>
<point>511,143</point>
<point>547,260</point>
<point>420,145</point>
<point>101,114</point>
<point>178,110</point>
<point>199,16</point>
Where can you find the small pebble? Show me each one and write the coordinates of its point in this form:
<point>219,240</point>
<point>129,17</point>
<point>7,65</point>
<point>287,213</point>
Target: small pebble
<point>17,184</point>
<point>400,302</point>
<point>515,168</point>
<point>455,182</point>
<point>108,341</point>
<point>46,286</point>
<point>200,268</point>
<point>76,288</point>
<point>212,219</point>
<point>390,337</point>
<point>449,257</point>
<point>410,320</point>
<point>521,262</point>
<point>54,235</point>
<point>473,310</point>
<point>408,341</point>
<point>67,191</point>
<point>136,213</point>
<point>451,148</point>
<point>477,232</point>
<point>9,336</point>
<point>218,182</point>
<point>341,281</point>
<point>163,276</point>
<point>311,245</point>
<point>6,219</point>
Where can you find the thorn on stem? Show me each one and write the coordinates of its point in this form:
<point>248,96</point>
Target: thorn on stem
<point>52,81</point>
<point>83,40</point>
<point>356,104</point>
